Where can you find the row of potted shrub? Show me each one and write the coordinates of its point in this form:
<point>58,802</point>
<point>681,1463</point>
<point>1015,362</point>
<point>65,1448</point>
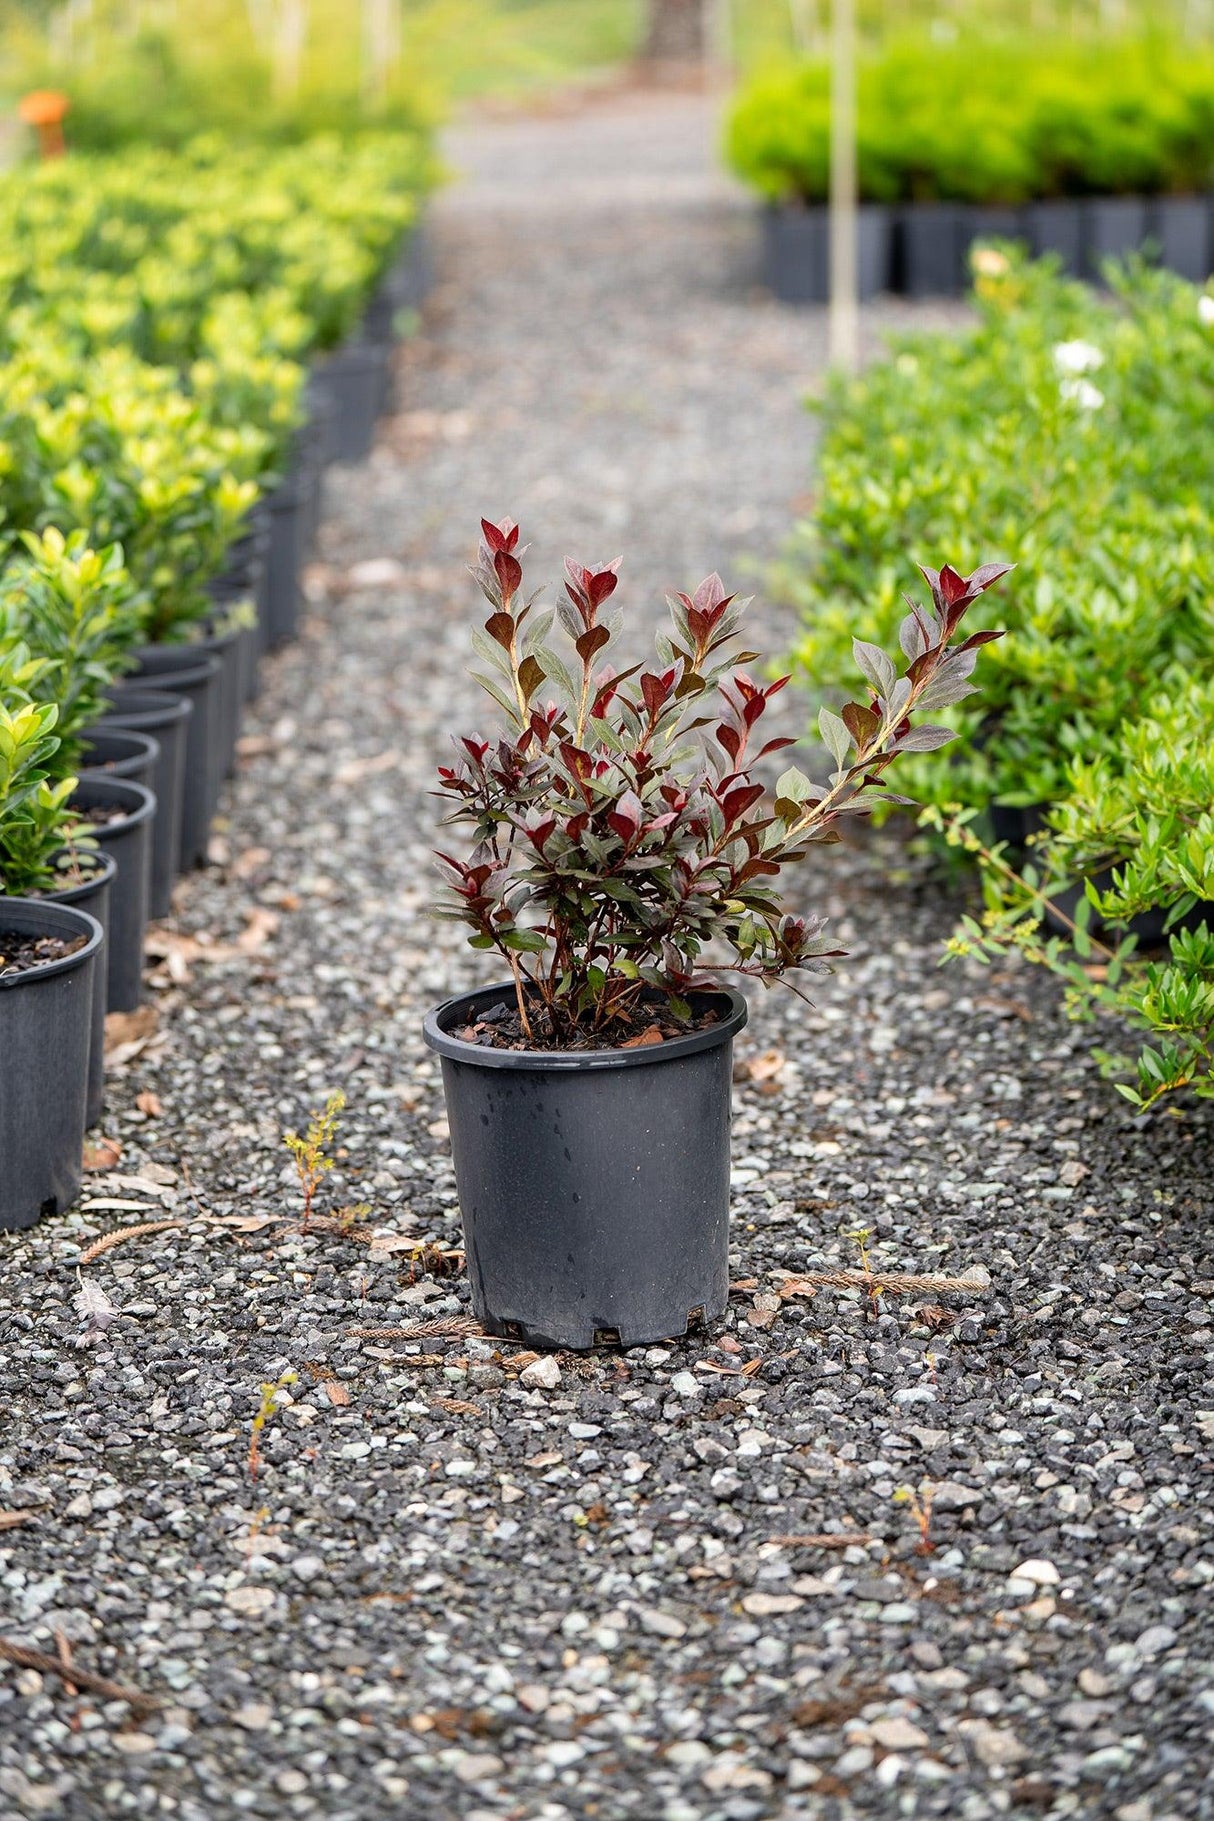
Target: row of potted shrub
<point>1069,432</point>
<point>1087,151</point>
<point>156,519</point>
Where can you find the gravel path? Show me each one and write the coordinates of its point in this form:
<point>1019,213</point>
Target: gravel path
<point>449,1593</point>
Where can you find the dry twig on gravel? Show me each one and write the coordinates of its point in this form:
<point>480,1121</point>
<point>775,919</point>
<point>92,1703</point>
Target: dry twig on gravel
<point>976,1282</point>
<point>830,1539</point>
<point>121,1234</point>
<point>74,1677</point>
<point>454,1325</point>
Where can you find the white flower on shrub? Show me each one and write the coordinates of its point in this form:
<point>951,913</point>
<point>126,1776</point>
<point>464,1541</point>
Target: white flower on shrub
<point>1077,357</point>
<point>1083,393</point>
<point>1205,310</point>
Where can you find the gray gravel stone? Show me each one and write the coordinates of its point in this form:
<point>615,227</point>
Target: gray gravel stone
<point>454,1593</point>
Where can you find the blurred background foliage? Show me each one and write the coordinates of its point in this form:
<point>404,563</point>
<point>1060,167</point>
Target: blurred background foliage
<point>162,70</point>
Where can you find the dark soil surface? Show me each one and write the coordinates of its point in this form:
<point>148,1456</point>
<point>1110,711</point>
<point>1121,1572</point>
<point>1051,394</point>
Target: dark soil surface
<point>500,1027</point>
<point>20,953</point>
<point>466,1583</point>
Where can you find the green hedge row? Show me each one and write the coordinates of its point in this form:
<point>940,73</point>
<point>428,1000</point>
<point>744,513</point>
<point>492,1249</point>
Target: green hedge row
<point>158,316</point>
<point>1000,121</point>
<point>1068,433</point>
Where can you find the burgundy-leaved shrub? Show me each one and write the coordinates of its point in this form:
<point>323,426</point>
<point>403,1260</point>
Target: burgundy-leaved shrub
<point>617,828</point>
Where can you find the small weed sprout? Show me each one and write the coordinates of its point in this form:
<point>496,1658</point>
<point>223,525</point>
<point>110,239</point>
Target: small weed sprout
<point>919,1503</point>
<point>312,1162</point>
<point>353,1216</point>
<point>272,1397</point>
<point>861,1237</point>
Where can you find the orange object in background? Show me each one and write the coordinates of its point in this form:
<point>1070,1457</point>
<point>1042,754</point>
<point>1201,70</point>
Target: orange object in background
<point>44,110</point>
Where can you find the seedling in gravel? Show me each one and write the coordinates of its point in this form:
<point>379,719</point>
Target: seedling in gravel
<point>272,1397</point>
<point>312,1161</point>
<point>616,827</point>
<point>861,1237</point>
<point>919,1504</point>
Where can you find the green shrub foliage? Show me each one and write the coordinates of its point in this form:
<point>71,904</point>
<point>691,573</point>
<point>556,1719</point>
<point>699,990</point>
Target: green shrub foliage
<point>1069,434</point>
<point>995,121</point>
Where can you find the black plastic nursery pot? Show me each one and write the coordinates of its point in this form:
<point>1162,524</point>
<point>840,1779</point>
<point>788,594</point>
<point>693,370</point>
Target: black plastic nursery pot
<point>594,1185</point>
<point>165,718</point>
<point>46,1016</point>
<point>411,275</point>
<point>1113,226</point>
<point>93,895</point>
<point>128,839</point>
<point>1183,229</point>
<point>246,576</point>
<point>994,221</point>
<point>1056,226</point>
<point>353,376</point>
<point>120,752</point>
<point>796,252</point>
<point>181,670</point>
<point>285,562</point>
<point>933,241</point>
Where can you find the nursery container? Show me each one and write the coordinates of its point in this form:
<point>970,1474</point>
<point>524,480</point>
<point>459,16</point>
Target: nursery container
<point>166,718</point>
<point>796,252</point>
<point>1113,226</point>
<point>182,671</point>
<point>46,1018</point>
<point>1183,229</point>
<point>285,562</point>
<point>245,576</point>
<point>312,455</point>
<point>128,840</point>
<point>93,895</point>
<point>353,377</point>
<point>1056,226</point>
<point>594,1185</point>
<point>932,245</point>
<point>411,275</point>
<point>120,752</point>
<point>994,223</point>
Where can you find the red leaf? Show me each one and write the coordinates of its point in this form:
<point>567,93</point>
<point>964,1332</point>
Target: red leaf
<point>738,801</point>
<point>530,676</point>
<point>509,572</point>
<point>590,642</point>
<point>861,723</point>
<point>730,739</point>
<point>602,584</point>
<point>952,585</point>
<point>500,627</point>
<point>654,693</point>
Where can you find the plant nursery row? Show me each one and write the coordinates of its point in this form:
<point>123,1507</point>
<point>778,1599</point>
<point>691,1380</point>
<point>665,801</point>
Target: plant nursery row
<point>1085,151</point>
<point>1069,429</point>
<point>186,343</point>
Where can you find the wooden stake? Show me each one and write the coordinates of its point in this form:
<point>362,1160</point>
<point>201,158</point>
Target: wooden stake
<point>844,286</point>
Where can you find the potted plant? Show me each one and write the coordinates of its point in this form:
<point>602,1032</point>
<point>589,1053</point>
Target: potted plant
<point>617,830</point>
<point>49,964</point>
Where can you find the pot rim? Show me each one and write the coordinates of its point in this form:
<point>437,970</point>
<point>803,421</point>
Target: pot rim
<point>455,1049</point>
<point>166,711</point>
<point>105,874</point>
<point>200,668</point>
<point>145,744</point>
<point>136,812</point>
<point>66,963</point>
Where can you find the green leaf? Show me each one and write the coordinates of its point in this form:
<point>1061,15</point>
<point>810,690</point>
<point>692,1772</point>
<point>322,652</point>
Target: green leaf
<point>835,737</point>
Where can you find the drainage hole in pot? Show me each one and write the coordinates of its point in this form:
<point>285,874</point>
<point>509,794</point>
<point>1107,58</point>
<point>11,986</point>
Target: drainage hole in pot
<point>695,1317</point>
<point>49,1206</point>
<point>512,1330</point>
<point>606,1337</point>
